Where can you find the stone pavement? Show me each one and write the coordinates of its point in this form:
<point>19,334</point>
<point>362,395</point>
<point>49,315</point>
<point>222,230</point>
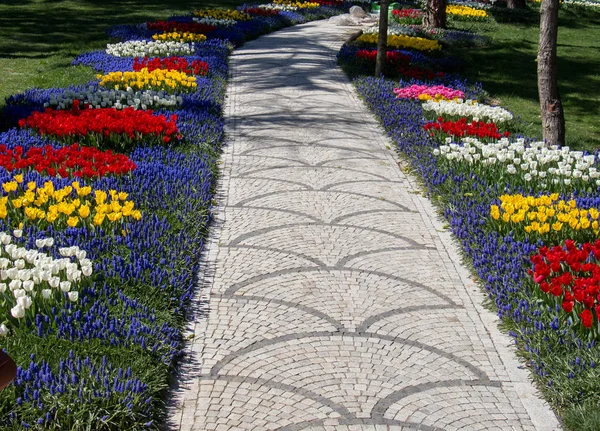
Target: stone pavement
<point>333,298</point>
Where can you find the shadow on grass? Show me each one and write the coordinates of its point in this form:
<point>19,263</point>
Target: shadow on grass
<point>36,29</point>
<point>525,16</point>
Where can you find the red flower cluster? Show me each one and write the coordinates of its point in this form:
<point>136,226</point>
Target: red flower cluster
<point>402,62</point>
<point>461,128</point>
<point>419,73</point>
<point>392,57</point>
<point>68,161</point>
<point>570,274</point>
<point>196,67</point>
<point>261,12</point>
<point>407,13</point>
<point>101,123</point>
<point>181,27</point>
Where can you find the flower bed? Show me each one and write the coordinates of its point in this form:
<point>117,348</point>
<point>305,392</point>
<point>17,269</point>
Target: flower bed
<point>104,126</point>
<point>525,213</point>
<point>402,41</point>
<point>99,250</point>
<point>69,161</point>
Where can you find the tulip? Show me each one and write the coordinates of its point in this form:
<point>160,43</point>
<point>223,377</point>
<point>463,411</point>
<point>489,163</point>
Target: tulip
<point>65,286</point>
<point>24,301</point>
<point>18,312</point>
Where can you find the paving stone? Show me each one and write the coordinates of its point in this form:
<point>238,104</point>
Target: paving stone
<point>331,298</point>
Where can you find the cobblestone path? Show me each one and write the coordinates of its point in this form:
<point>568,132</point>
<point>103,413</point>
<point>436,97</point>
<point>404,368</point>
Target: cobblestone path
<point>334,301</point>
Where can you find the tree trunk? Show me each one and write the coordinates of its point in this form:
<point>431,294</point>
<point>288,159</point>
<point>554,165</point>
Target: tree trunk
<point>516,4</point>
<point>382,40</point>
<point>435,14</point>
<point>553,118</point>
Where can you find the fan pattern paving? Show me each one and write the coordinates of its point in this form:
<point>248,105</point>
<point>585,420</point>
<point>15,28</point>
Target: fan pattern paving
<point>332,301</point>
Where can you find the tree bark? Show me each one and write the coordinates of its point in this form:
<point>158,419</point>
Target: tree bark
<point>516,4</point>
<point>553,118</point>
<point>382,40</point>
<point>435,14</point>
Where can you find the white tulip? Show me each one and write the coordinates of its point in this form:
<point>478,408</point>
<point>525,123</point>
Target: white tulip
<point>65,286</point>
<point>3,330</point>
<point>18,233</point>
<point>10,248</point>
<point>28,285</point>
<point>18,312</point>
<point>15,284</point>
<point>73,296</point>
<point>24,301</point>
<point>46,293</point>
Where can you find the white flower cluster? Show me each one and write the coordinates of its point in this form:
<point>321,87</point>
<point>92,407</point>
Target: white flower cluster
<point>468,108</point>
<point>473,4</point>
<point>582,3</point>
<point>216,22</point>
<point>551,165</point>
<point>393,28</point>
<point>282,7</point>
<point>119,99</point>
<point>144,48</point>
<point>28,275</point>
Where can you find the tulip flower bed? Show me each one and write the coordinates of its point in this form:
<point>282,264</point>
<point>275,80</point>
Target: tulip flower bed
<point>180,64</point>
<point>408,16</point>
<point>118,129</point>
<point>466,13</point>
<point>104,207</point>
<point>525,213</point>
<point>69,161</point>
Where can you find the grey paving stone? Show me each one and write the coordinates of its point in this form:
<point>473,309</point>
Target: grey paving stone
<point>331,298</point>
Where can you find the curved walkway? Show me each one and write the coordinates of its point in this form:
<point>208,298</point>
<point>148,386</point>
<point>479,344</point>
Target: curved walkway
<point>334,299</point>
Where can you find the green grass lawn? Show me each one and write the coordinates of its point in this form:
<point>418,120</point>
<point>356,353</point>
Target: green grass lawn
<point>508,69</point>
<point>40,38</point>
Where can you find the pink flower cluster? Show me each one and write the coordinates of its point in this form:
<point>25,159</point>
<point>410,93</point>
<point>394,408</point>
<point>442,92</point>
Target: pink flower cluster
<point>414,91</point>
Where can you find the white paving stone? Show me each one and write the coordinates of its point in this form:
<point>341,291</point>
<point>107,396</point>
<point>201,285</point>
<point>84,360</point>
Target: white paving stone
<point>331,297</point>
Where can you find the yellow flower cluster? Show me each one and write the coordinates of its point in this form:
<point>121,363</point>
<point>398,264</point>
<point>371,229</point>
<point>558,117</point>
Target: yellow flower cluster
<point>222,14</point>
<point>465,11</point>
<point>159,79</point>
<point>69,206</point>
<point>299,5</point>
<point>402,41</point>
<point>545,214</point>
<point>180,37</point>
<point>424,97</point>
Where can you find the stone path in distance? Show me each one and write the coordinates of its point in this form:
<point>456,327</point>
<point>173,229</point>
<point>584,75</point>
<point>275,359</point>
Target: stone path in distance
<point>333,298</point>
